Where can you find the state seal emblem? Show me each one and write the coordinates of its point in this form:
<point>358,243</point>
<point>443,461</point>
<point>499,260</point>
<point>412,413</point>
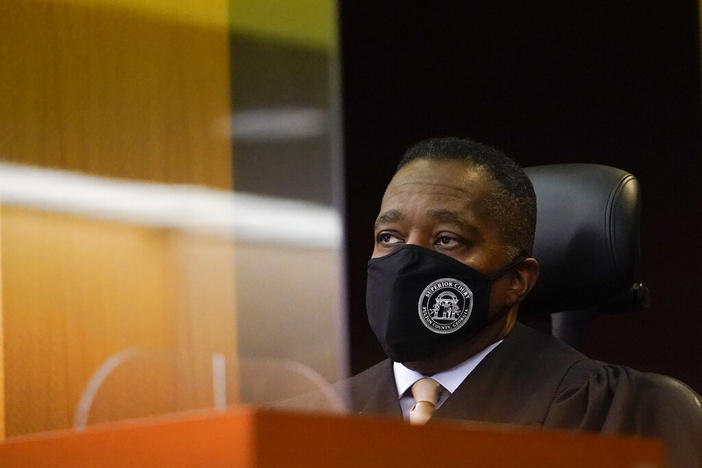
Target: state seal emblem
<point>445,305</point>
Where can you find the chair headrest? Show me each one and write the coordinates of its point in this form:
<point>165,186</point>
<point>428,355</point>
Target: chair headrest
<point>587,236</point>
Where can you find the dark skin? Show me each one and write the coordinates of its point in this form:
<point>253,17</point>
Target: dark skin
<point>437,205</point>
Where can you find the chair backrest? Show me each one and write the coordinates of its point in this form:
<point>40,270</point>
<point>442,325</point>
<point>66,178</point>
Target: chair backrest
<point>587,243</point>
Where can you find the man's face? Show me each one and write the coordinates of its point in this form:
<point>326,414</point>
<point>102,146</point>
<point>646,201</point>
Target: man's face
<point>440,205</point>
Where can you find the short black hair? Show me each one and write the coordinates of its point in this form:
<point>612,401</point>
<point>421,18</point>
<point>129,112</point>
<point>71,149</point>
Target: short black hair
<point>513,204</point>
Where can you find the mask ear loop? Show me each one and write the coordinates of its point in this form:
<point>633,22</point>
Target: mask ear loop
<point>501,272</point>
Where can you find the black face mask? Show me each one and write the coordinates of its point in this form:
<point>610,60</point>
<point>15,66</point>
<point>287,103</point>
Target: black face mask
<point>422,303</point>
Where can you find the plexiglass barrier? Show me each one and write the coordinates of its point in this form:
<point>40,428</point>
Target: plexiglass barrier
<point>168,231</point>
<point>125,299</point>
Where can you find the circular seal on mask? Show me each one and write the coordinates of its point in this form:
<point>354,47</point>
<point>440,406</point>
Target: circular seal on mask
<point>445,305</point>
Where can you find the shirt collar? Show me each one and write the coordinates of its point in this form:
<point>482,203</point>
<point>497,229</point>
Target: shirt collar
<point>449,379</point>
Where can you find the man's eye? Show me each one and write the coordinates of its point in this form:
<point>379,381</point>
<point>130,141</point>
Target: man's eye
<point>388,238</point>
<point>447,241</point>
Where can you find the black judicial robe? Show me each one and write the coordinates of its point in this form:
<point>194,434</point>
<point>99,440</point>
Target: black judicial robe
<point>532,379</point>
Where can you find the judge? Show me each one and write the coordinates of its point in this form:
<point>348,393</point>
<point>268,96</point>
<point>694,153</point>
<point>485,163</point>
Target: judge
<point>451,263</point>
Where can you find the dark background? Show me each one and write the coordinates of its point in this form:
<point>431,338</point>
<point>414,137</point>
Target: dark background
<point>615,83</point>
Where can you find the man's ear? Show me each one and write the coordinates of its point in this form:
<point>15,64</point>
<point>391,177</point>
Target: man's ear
<point>522,279</point>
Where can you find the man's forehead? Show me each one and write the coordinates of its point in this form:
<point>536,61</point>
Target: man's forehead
<point>453,179</point>
<point>441,170</point>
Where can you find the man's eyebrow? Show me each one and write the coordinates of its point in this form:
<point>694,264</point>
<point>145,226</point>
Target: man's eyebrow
<point>390,216</point>
<point>450,217</point>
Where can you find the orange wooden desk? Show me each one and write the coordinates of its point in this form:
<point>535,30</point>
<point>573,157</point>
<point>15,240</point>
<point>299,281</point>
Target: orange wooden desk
<point>242,437</point>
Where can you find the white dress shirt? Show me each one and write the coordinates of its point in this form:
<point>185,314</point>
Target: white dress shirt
<point>449,379</point>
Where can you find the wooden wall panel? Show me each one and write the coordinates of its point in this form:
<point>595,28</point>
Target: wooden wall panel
<point>79,291</point>
<point>118,88</point>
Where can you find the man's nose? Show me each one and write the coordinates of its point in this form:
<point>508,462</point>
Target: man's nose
<point>420,239</point>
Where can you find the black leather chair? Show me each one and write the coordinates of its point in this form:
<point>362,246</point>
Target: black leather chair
<point>587,243</point>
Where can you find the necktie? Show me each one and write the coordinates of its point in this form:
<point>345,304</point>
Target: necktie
<point>426,393</point>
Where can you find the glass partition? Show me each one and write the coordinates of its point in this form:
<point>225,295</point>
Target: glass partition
<point>169,232</point>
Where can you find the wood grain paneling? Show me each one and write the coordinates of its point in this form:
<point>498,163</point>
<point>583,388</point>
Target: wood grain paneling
<point>118,88</point>
<point>79,291</point>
